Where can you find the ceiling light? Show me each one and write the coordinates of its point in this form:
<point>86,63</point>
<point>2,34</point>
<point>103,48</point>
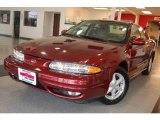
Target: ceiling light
<point>140,7</point>
<point>119,10</point>
<point>146,12</point>
<point>122,10</point>
<point>100,8</point>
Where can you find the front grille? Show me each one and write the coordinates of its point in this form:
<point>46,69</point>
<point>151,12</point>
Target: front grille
<point>36,61</point>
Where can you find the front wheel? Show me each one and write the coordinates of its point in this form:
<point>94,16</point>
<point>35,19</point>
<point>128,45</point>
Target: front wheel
<point>118,87</point>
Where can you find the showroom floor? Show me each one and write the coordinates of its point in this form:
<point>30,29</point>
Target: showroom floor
<point>16,97</point>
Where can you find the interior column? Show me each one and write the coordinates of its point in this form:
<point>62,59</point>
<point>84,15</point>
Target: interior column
<point>119,14</point>
<point>113,13</point>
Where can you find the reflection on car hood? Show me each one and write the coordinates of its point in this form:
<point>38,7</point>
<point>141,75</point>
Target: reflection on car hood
<point>68,49</point>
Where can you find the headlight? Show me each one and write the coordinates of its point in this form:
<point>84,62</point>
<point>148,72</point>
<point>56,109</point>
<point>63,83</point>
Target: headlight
<point>73,68</point>
<point>18,55</point>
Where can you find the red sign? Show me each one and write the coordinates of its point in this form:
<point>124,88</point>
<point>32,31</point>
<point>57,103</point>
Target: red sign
<point>157,18</point>
<point>27,75</point>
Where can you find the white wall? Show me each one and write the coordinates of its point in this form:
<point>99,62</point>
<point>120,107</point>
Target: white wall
<point>77,14</point>
<point>7,29</point>
<point>67,26</point>
<point>27,31</point>
<point>32,32</point>
<point>48,24</point>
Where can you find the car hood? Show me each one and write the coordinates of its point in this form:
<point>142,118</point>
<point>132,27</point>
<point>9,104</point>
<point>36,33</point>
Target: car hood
<point>68,49</point>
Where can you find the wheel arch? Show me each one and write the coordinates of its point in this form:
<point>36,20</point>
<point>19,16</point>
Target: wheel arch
<point>153,54</point>
<point>124,65</point>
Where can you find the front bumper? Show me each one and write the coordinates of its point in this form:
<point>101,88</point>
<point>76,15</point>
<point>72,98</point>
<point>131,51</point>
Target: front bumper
<point>90,86</point>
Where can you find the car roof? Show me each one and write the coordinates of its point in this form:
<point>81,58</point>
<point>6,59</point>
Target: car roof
<point>125,22</point>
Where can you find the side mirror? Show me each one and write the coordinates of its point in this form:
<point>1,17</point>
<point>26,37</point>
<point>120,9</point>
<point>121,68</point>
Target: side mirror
<point>63,32</point>
<point>138,41</point>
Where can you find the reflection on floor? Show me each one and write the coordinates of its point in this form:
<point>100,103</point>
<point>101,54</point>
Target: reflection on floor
<point>6,46</point>
<point>2,71</point>
<point>17,97</point>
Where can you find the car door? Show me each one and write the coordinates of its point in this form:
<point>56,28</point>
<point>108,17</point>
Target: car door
<point>137,52</point>
<point>146,47</point>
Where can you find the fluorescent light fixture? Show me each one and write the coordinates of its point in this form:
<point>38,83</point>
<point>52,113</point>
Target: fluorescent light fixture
<point>146,12</point>
<point>121,10</point>
<point>118,10</point>
<point>140,7</point>
<point>100,8</point>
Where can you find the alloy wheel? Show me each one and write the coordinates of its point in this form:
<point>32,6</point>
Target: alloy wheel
<point>150,64</point>
<point>116,87</point>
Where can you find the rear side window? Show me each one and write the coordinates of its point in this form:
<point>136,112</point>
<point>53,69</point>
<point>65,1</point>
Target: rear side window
<point>117,29</point>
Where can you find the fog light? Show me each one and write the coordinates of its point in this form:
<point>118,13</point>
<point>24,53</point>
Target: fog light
<point>65,92</point>
<point>73,93</point>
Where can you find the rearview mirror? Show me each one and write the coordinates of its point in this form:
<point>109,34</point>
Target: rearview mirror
<point>138,41</point>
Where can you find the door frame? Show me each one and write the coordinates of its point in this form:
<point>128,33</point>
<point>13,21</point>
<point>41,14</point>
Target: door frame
<point>14,13</point>
<point>56,23</point>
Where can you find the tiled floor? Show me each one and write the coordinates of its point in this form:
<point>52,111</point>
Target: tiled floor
<point>17,97</point>
<point>6,46</point>
<point>157,107</point>
<point>2,71</point>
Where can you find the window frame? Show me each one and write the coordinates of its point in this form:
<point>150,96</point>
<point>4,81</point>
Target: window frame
<point>29,25</point>
<point>137,30</point>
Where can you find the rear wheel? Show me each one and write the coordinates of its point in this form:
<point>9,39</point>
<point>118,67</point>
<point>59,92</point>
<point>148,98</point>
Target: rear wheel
<point>118,87</point>
<point>149,67</point>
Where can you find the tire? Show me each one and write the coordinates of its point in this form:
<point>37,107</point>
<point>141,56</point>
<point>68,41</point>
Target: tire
<point>108,98</point>
<point>149,67</point>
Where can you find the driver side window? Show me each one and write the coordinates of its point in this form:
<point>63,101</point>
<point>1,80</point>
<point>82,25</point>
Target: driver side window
<point>135,32</point>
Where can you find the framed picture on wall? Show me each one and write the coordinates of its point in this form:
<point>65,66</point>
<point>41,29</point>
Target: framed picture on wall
<point>30,18</point>
<point>4,17</point>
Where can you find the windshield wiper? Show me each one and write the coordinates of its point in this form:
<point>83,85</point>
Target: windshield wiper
<point>66,34</point>
<point>70,35</point>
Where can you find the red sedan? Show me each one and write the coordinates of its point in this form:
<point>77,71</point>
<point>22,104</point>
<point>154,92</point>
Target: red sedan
<point>93,59</point>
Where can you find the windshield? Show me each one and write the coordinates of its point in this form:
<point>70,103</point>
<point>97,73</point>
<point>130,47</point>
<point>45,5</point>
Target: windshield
<point>100,30</point>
